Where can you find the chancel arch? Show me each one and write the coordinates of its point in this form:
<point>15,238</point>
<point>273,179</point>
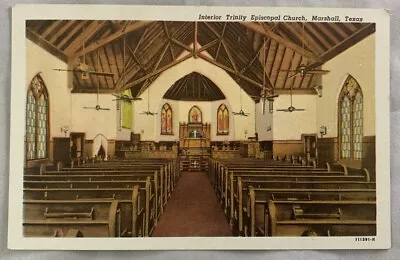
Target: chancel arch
<point>37,120</point>
<point>350,119</point>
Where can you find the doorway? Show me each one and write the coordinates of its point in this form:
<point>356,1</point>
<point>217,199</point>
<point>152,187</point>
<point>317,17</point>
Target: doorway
<point>310,147</point>
<point>77,145</point>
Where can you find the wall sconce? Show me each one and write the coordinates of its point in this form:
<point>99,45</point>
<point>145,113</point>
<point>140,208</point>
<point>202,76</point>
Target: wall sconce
<point>269,128</point>
<point>245,134</point>
<point>323,130</point>
<point>142,131</point>
<point>65,129</point>
<point>318,90</point>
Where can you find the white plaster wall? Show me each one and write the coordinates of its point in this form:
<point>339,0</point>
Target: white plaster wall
<point>91,121</point>
<point>290,126</point>
<point>358,61</point>
<point>40,61</point>
<point>263,121</point>
<point>66,109</point>
<point>148,125</point>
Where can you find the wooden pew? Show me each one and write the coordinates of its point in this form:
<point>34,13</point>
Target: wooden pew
<point>257,198</point>
<point>325,218</point>
<point>95,218</point>
<point>67,179</point>
<point>238,184</point>
<point>140,200</point>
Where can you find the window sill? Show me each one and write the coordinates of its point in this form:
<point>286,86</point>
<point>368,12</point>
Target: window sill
<point>222,133</point>
<point>167,134</point>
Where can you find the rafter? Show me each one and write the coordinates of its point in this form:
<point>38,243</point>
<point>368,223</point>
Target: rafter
<point>263,30</point>
<point>206,58</point>
<point>133,83</point>
<point>51,28</point>
<point>346,43</point>
<point>31,35</point>
<point>94,46</point>
<point>89,31</point>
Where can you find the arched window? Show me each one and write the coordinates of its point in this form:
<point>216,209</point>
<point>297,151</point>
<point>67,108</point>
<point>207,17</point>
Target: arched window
<point>166,120</point>
<point>195,115</point>
<point>37,120</point>
<point>126,110</point>
<point>351,120</point>
<point>222,120</point>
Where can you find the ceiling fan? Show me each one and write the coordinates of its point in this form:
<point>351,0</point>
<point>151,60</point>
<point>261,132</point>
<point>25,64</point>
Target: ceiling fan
<point>125,98</point>
<point>97,107</point>
<point>83,68</point>
<point>291,108</point>
<point>303,69</point>
<point>148,112</point>
<point>241,112</point>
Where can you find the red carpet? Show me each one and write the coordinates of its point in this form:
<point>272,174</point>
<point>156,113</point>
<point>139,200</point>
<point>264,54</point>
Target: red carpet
<point>193,210</point>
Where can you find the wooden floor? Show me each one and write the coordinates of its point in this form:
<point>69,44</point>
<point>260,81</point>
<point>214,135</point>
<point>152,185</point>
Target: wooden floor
<point>193,210</point>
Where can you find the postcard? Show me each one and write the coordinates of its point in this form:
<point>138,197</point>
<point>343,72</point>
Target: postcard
<point>199,127</point>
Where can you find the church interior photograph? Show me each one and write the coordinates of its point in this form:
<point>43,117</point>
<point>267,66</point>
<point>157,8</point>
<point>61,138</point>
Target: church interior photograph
<point>199,129</point>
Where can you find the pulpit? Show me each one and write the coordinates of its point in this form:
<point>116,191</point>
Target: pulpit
<point>194,143</point>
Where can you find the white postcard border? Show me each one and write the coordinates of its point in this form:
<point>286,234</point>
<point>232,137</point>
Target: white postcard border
<point>182,13</point>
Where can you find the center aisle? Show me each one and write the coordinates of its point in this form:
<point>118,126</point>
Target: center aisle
<point>192,210</point>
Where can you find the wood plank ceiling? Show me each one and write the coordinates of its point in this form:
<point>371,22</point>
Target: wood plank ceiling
<point>137,52</point>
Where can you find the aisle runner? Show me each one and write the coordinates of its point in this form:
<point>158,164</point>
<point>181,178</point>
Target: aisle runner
<point>192,210</point>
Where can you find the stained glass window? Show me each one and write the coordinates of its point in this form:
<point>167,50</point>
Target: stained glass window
<point>222,120</point>
<point>126,111</point>
<point>357,126</point>
<point>345,129</point>
<point>351,120</point>
<point>166,119</point>
<point>30,126</point>
<point>37,120</point>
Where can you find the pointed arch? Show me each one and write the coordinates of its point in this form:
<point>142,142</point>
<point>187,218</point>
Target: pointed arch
<point>37,120</point>
<point>222,120</point>
<point>195,115</point>
<point>350,120</point>
<point>166,120</point>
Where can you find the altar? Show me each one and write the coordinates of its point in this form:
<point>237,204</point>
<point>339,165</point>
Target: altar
<point>194,142</point>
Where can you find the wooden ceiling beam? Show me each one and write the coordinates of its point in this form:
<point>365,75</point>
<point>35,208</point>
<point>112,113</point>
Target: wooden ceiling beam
<point>156,65</point>
<point>70,34</point>
<point>338,30</point>
<point>345,44</point>
<point>327,32</point>
<point>295,91</point>
<point>304,37</point>
<point>51,28</point>
<point>230,57</point>
<point>206,58</point>
<point>87,33</point>
<point>61,31</point>
<point>317,35</point>
<point>195,31</point>
<point>31,35</point>
<point>94,46</point>
<point>262,29</point>
<point>169,37</point>
<point>158,71</point>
